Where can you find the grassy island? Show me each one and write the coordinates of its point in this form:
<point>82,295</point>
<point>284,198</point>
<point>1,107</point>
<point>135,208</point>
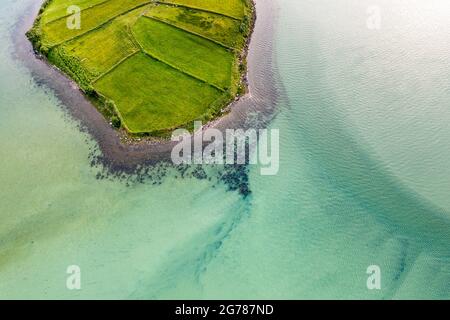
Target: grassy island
<point>149,66</point>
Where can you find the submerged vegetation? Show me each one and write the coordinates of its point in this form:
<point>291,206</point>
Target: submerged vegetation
<point>150,66</point>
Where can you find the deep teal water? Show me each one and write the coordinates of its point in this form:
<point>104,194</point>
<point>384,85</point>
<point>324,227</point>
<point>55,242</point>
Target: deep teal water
<point>364,177</point>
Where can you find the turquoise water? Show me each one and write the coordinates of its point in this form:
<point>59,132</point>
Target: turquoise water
<point>364,177</point>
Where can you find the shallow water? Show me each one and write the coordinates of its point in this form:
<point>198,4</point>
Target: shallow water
<point>364,177</point>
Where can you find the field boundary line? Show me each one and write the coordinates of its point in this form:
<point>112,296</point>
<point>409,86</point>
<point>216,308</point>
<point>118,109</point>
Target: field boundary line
<point>119,114</point>
<point>102,24</point>
<point>115,65</point>
<point>131,35</point>
<point>137,48</point>
<point>174,67</point>
<point>198,8</point>
<point>68,15</point>
<point>116,110</point>
<point>181,70</point>
<point>189,31</point>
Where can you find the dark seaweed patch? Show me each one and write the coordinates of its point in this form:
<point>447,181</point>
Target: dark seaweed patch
<point>235,177</point>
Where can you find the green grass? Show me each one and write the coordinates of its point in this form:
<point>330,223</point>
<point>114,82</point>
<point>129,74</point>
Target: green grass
<point>154,66</point>
<point>116,44</point>
<point>212,26</point>
<point>187,52</point>
<point>57,32</point>
<point>58,8</point>
<point>152,96</point>
<point>232,8</point>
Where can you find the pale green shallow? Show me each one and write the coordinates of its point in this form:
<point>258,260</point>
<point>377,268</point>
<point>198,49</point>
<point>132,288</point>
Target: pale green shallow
<point>364,178</point>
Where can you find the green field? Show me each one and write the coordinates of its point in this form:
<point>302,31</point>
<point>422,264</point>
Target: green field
<point>56,31</point>
<point>190,53</point>
<point>117,43</point>
<point>149,67</point>
<point>170,97</point>
<point>231,8</point>
<point>213,26</point>
<point>58,8</point>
